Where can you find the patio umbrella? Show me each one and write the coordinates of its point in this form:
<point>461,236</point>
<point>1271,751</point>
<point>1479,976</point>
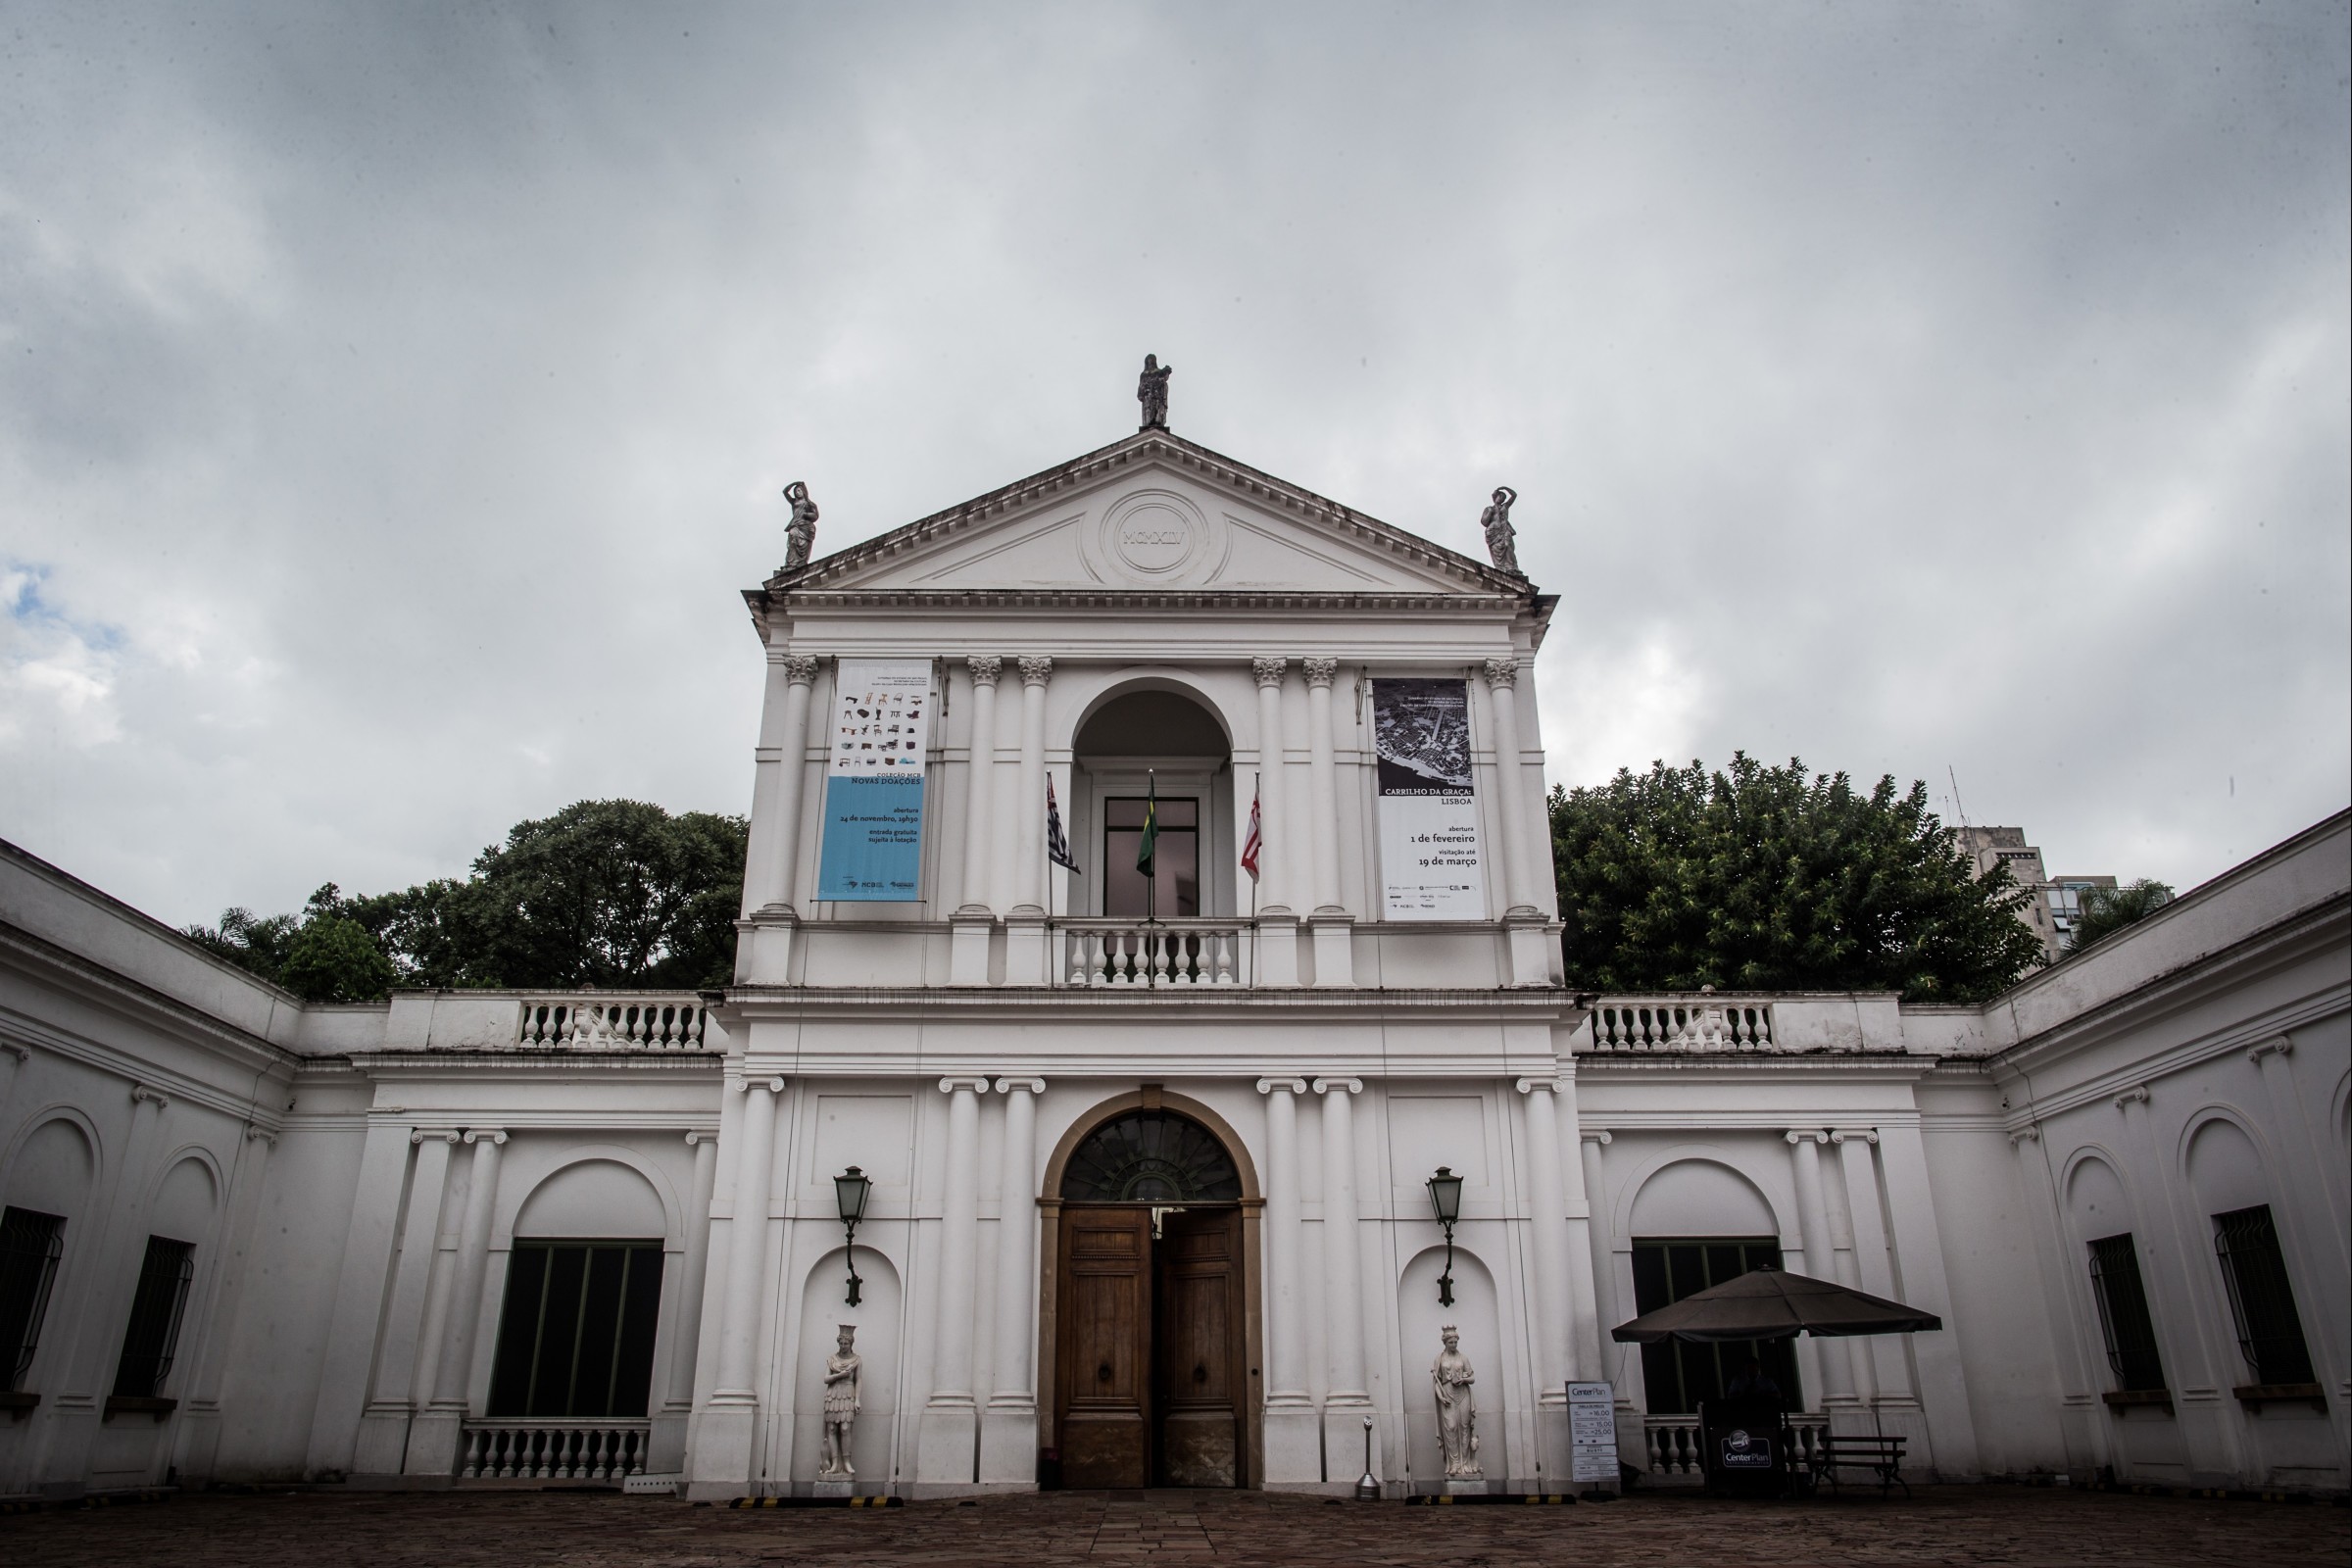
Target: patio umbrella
<point>1766,1303</point>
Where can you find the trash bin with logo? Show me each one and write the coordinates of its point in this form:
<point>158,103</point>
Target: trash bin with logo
<point>1745,1446</point>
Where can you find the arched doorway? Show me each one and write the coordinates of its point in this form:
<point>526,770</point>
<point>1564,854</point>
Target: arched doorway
<point>1150,1335</point>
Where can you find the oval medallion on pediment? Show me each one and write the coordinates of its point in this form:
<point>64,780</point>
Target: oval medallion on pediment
<point>1158,537</point>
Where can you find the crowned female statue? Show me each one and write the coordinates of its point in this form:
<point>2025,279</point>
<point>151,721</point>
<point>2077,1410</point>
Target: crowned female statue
<point>800,534</point>
<point>1457,1409</point>
<point>842,1369</point>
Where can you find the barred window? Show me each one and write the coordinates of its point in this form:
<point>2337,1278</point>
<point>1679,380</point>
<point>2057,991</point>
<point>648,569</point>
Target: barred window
<point>2123,1318</point>
<point>575,1335</point>
<point>2261,1300</point>
<point>1677,1376</point>
<point>30,1243</point>
<point>152,1339</point>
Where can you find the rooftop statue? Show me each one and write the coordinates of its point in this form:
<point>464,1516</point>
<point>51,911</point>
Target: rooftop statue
<point>800,535</point>
<point>1501,537</point>
<point>1151,391</point>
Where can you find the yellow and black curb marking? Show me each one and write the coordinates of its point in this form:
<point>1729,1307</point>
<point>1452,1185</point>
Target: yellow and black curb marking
<point>1532,1498</point>
<point>818,1502</point>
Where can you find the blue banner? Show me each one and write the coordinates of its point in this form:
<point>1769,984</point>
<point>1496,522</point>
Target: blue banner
<point>872,849</point>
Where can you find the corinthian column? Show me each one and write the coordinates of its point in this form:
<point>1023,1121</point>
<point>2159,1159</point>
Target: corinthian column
<point>1025,925</point>
<point>1510,805</point>
<point>1009,1427</point>
<point>944,1446</point>
<point>1323,770</point>
<point>1273,889</point>
<point>1294,1445</point>
<point>1348,1399</point>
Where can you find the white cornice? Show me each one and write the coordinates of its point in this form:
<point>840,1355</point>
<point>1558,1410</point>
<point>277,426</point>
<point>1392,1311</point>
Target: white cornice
<point>145,1068</point>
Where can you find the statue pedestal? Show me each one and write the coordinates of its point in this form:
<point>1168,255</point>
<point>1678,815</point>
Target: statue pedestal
<point>1459,1487</point>
<point>833,1487</point>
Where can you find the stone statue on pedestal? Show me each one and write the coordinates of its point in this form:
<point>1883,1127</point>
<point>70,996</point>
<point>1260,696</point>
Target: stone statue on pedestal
<point>1457,1409</point>
<point>800,536</point>
<point>842,1370</point>
<point>1501,537</point>
<point>1151,391</point>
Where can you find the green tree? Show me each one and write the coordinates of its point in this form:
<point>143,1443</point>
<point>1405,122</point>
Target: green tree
<point>1757,878</point>
<point>254,943</point>
<point>332,959</point>
<point>2107,911</point>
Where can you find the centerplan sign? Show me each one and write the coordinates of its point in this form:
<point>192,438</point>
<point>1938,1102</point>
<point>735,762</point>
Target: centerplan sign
<point>873,839</point>
<point>1429,849</point>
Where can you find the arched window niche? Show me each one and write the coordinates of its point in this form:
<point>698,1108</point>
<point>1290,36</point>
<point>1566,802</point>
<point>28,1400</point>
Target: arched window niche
<point>1150,1157</point>
<point>1153,742</point>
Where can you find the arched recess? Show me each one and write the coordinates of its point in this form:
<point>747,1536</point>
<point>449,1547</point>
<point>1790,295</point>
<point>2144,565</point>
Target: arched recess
<point>878,1317</point>
<point>2225,1165</point>
<point>54,1166</point>
<point>1251,1290</point>
<point>185,1198</point>
<point>1153,733</point>
<point>593,1199</point>
<point>1152,678</point>
<point>1699,1193</point>
<point>656,1181</point>
<point>1419,1321</point>
<point>2097,1203</point>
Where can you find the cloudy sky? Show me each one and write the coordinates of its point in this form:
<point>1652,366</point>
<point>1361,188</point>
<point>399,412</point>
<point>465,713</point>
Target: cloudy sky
<point>394,398</point>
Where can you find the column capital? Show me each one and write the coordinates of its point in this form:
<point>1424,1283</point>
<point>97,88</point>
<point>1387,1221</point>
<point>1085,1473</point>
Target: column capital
<point>1548,1085</point>
<point>2136,1095</point>
<point>140,1092</point>
<point>1269,671</point>
<point>2030,1133</point>
<point>1036,670</point>
<point>2275,1046</point>
<point>1319,671</point>
<point>986,668</point>
<point>800,670</point>
<point>22,1054</point>
<point>1865,1134</point>
<point>1503,673</point>
<point>256,1131</point>
<point>488,1135</point>
<point>1799,1135</point>
<point>418,1135</point>
<point>977,1083</point>
<point>1597,1135</point>
<point>1324,1086</point>
<point>1297,1086</point>
<point>772,1083</point>
<point>1006,1085</point>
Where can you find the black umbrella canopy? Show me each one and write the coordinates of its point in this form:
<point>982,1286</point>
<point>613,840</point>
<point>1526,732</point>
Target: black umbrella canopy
<point>1766,1303</point>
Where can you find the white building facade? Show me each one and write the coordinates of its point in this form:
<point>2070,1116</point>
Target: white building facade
<point>1148,1192</point>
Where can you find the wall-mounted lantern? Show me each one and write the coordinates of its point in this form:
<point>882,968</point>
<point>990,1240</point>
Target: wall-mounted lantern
<point>1445,1197</point>
<point>850,1190</point>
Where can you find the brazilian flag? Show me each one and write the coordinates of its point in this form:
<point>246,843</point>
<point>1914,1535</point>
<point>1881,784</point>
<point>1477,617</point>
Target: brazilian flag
<point>1143,856</point>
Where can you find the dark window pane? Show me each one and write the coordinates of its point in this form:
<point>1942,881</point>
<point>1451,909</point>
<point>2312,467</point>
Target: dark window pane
<point>1175,811</point>
<point>2123,1302</point>
<point>30,1243</point>
<point>517,1331</point>
<point>1677,1376</point>
<point>558,1332</point>
<point>639,1315</point>
<point>151,1339</point>
<point>1173,891</point>
<point>2270,1332</point>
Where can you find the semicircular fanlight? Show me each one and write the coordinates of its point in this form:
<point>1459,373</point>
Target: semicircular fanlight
<point>1150,1157</point>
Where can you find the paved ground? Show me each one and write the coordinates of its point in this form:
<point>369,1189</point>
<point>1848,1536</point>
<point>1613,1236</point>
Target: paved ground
<point>1942,1525</point>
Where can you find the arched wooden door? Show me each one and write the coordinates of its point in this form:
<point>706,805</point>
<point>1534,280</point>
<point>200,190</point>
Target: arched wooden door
<point>1151,1386</point>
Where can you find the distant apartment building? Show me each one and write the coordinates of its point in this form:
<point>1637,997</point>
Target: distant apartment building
<point>2057,900</point>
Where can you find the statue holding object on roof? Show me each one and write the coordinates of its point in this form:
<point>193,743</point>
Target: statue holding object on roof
<point>1501,537</point>
<point>800,536</point>
<point>1151,391</point>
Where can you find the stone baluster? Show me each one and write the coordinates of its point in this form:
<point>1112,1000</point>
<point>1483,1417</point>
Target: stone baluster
<point>1009,1427</point>
<point>1294,1445</point>
<point>945,1450</point>
<point>1348,1399</point>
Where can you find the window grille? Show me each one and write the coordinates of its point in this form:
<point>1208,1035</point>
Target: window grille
<point>153,1337</point>
<point>2261,1298</point>
<point>576,1334</point>
<point>31,1245</point>
<point>1677,1377</point>
<point>2123,1299</point>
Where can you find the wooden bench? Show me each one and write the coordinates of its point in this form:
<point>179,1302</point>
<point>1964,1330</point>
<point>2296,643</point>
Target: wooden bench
<point>1881,1454</point>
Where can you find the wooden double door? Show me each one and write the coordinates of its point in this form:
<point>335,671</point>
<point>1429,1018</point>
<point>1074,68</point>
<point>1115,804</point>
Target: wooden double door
<point>1149,1375</point>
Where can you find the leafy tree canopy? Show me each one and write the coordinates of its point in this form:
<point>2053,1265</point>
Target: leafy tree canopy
<point>604,893</point>
<point>1759,878</point>
<point>2107,911</point>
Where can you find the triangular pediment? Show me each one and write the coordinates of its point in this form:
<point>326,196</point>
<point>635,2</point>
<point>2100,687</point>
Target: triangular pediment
<point>1148,513</point>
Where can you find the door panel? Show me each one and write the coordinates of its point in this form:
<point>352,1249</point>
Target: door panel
<point>1103,1383</point>
<point>1197,1373</point>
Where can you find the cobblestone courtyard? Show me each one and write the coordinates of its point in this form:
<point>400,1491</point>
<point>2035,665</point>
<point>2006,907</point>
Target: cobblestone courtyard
<point>1942,1524</point>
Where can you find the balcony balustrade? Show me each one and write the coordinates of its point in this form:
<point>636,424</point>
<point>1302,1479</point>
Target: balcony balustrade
<point>638,1021</point>
<point>552,1449</point>
<point>1676,1448</point>
<point>1689,1022</point>
<point>1150,954</point>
